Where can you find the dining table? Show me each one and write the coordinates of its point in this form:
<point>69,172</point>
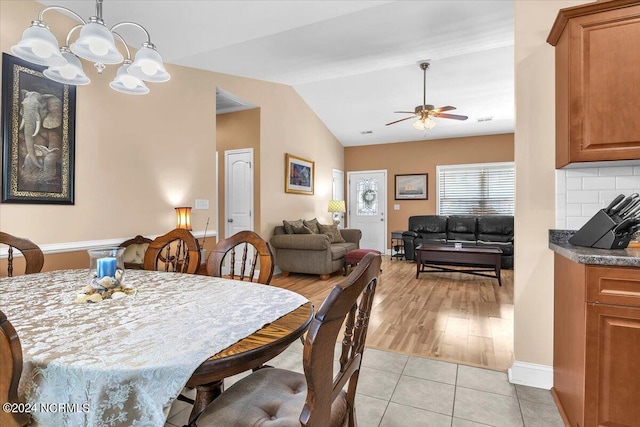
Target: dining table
<point>122,362</point>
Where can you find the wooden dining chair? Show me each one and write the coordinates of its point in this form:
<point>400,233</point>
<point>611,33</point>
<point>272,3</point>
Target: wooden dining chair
<point>133,256</point>
<point>245,242</point>
<point>177,251</point>
<point>315,398</point>
<point>10,371</point>
<point>34,259</point>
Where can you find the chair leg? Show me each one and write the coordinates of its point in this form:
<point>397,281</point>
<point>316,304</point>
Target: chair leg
<point>325,276</point>
<point>205,394</point>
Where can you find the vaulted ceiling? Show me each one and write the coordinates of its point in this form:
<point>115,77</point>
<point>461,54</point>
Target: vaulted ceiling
<point>353,62</point>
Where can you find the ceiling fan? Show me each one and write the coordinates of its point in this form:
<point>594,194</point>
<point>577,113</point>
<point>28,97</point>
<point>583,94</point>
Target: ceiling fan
<point>425,112</point>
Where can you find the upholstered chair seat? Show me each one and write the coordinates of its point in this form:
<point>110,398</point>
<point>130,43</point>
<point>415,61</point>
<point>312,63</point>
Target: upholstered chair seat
<point>270,397</point>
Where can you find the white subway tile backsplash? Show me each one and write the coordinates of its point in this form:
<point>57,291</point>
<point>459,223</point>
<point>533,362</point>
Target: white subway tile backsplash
<point>590,209</point>
<point>627,182</point>
<point>574,184</point>
<point>580,172</point>
<point>581,192</point>
<point>582,196</point>
<point>616,171</point>
<point>574,209</point>
<point>598,183</point>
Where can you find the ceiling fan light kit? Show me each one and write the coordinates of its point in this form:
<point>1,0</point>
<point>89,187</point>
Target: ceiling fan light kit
<point>425,112</point>
<point>95,43</point>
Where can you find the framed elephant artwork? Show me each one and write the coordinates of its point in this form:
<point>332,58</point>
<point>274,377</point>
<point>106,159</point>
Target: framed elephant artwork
<point>38,134</point>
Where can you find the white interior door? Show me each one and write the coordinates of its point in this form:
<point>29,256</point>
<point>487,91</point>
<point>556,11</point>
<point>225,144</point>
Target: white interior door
<point>238,194</point>
<point>367,205</point>
<point>337,192</point>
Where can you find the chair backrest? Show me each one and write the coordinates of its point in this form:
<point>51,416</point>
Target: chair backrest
<point>352,299</point>
<point>242,241</point>
<point>10,371</point>
<point>177,251</point>
<point>33,256</point>
<point>134,253</point>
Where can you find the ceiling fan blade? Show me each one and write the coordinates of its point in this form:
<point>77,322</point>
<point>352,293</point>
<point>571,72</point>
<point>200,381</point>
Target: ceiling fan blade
<point>441,109</point>
<point>450,116</point>
<point>405,112</point>
<point>401,120</point>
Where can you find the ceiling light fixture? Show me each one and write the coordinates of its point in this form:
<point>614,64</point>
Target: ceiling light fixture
<point>96,43</point>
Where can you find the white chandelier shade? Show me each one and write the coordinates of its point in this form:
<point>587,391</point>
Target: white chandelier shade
<point>69,73</point>
<point>128,83</point>
<point>427,123</point>
<point>39,46</point>
<point>95,43</point>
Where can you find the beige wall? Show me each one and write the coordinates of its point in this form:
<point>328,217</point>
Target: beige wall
<point>535,179</point>
<point>137,157</point>
<point>423,157</point>
<point>234,131</point>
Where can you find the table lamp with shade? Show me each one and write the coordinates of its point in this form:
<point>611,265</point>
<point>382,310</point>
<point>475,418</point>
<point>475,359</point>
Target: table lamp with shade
<point>336,207</point>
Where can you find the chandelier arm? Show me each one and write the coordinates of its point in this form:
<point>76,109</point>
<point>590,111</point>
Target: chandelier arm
<point>135,24</point>
<point>71,32</point>
<point>64,9</point>
<point>119,37</point>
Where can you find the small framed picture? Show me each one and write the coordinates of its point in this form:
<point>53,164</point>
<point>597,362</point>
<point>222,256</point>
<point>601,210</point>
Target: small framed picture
<point>299,175</point>
<point>412,187</point>
<point>38,130</point>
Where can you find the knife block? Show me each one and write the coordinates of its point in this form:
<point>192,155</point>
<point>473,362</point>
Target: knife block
<point>594,230</point>
<point>612,240</point>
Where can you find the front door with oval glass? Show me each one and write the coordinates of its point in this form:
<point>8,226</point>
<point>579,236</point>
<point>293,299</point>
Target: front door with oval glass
<point>367,205</point>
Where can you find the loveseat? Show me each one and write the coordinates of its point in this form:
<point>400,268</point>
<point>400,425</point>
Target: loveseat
<point>490,230</point>
<point>312,253</point>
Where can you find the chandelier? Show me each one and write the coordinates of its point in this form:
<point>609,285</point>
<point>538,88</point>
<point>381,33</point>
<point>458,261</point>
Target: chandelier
<point>95,43</point>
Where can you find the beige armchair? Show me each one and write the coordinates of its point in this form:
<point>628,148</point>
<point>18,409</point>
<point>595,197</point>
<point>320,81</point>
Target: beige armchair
<point>312,253</point>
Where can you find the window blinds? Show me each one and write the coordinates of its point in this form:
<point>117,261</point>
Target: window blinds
<point>477,189</point>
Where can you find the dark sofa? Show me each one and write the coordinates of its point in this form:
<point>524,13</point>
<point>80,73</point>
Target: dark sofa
<point>492,230</point>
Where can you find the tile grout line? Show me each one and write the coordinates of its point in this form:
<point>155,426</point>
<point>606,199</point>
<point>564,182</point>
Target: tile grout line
<point>455,391</point>
<point>394,390</point>
<point>519,405</point>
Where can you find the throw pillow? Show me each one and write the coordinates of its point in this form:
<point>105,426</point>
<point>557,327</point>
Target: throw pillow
<point>331,231</point>
<point>288,225</point>
<point>302,230</point>
<point>313,225</point>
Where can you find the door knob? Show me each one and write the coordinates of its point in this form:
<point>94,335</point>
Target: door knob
<point>230,220</point>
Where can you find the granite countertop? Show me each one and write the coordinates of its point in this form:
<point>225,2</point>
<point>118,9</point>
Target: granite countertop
<point>558,242</point>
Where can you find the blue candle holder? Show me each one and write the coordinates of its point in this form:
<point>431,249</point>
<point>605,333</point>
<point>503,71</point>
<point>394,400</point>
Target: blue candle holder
<point>106,268</point>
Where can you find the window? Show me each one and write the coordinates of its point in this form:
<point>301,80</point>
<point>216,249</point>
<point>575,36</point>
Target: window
<point>476,189</point>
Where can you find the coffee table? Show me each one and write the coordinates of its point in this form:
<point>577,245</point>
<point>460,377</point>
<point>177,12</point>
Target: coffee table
<point>479,259</point>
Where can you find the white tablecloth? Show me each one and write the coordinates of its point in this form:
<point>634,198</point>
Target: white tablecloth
<point>126,360</point>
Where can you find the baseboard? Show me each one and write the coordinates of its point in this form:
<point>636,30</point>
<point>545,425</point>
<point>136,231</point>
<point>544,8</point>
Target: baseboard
<point>532,375</point>
<point>56,248</point>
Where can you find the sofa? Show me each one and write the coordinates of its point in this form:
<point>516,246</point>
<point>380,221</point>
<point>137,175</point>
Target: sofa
<point>490,230</point>
<point>312,253</point>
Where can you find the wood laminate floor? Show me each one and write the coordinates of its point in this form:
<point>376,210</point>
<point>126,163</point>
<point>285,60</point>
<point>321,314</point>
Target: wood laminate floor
<point>452,317</point>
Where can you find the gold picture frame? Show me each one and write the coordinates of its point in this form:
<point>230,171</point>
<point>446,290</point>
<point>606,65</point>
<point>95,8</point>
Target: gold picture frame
<point>299,175</point>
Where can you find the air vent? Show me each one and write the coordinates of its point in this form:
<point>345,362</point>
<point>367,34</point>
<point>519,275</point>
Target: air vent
<point>228,103</point>
<point>484,119</point>
<point>366,132</point>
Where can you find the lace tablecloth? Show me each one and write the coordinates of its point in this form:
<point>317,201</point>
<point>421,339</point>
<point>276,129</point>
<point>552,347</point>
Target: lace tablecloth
<point>122,362</point>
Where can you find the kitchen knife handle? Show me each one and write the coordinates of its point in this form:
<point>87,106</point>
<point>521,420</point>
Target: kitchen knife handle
<point>614,202</point>
<point>623,204</point>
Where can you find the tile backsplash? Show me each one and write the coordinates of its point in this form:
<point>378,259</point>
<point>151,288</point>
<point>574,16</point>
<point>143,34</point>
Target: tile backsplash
<point>581,192</point>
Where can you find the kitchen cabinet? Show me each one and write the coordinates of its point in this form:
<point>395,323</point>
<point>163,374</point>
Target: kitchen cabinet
<point>597,82</point>
<point>596,344</point>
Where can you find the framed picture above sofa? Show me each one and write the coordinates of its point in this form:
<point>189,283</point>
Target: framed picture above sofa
<point>412,187</point>
<point>299,175</point>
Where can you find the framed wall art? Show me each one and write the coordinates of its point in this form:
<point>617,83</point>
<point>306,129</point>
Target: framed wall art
<point>38,134</point>
<point>298,175</point>
<point>412,187</point>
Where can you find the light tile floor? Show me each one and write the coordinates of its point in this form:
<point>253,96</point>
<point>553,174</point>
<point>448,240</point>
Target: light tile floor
<point>397,390</point>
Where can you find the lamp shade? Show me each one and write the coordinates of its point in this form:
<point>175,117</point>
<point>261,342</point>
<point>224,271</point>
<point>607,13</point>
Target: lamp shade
<point>96,44</point>
<point>39,46</point>
<point>337,206</point>
<point>71,73</point>
<point>126,83</point>
<point>148,65</point>
<point>184,218</point>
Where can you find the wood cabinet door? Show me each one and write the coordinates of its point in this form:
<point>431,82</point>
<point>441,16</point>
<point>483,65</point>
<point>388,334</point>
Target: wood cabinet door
<point>612,382</point>
<point>598,87</point>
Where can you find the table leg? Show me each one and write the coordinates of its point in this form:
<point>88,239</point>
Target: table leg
<point>498,264</point>
<point>205,394</point>
<point>418,263</point>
